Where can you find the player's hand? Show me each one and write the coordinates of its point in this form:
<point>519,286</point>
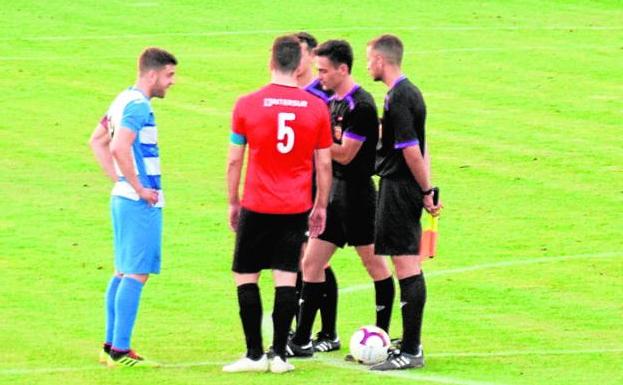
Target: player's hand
<point>148,194</point>
<point>433,209</point>
<point>234,216</point>
<point>317,219</point>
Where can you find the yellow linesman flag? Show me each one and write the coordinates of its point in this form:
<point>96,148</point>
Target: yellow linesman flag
<point>428,243</point>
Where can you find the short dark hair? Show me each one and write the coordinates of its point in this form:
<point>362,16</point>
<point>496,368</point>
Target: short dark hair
<point>337,51</point>
<point>154,58</point>
<point>389,46</point>
<point>286,55</point>
<point>308,39</point>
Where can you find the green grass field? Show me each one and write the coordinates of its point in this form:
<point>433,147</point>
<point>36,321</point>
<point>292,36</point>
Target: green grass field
<point>524,126</point>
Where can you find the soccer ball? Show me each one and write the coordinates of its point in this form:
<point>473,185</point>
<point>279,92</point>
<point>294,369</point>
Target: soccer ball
<point>369,345</point>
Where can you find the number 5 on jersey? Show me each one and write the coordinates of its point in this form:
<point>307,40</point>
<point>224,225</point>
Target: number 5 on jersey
<point>285,133</point>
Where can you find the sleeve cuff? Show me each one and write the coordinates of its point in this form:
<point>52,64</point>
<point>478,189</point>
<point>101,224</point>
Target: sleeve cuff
<point>409,143</point>
<point>354,136</point>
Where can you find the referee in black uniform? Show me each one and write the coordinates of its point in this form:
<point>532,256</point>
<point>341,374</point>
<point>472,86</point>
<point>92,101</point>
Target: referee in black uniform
<point>352,201</point>
<point>403,163</point>
<point>328,306</point>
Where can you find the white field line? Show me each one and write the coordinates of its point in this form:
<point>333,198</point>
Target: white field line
<point>182,365</point>
<point>266,321</point>
<point>315,30</point>
<point>414,52</point>
<point>143,4</point>
<point>31,371</point>
<point>494,265</point>
<point>511,353</point>
<point>266,326</point>
<point>336,362</point>
<point>413,375</point>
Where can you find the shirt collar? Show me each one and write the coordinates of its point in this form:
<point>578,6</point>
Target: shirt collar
<point>400,78</point>
<point>349,93</point>
<point>139,90</point>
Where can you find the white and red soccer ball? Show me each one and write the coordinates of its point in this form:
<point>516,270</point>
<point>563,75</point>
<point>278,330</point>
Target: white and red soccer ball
<point>369,345</point>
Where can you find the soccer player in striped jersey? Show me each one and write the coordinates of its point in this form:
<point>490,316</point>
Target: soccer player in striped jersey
<point>125,144</point>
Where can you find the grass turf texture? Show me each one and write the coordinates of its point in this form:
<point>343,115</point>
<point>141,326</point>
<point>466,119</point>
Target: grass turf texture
<point>524,129</point>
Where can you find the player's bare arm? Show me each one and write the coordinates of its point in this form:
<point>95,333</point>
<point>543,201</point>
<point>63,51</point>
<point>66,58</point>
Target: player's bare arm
<point>121,150</point>
<point>427,167</point>
<point>100,142</point>
<point>345,152</point>
<point>322,160</point>
<point>235,161</point>
<point>427,161</point>
<point>417,165</point>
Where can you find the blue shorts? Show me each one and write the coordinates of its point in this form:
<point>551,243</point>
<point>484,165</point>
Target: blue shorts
<point>137,233</point>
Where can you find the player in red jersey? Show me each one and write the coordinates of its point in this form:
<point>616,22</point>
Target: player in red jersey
<point>286,130</point>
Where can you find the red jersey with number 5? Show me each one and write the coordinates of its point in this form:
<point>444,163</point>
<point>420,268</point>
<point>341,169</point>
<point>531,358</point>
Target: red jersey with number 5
<point>282,125</point>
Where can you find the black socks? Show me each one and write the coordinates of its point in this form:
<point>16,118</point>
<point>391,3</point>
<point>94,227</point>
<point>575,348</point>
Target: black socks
<point>328,305</point>
<point>384,293</point>
<point>250,305</point>
<point>283,312</point>
<point>311,297</point>
<point>412,301</point>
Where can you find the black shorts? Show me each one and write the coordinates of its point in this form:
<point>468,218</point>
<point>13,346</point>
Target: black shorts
<point>269,241</point>
<point>399,209</point>
<point>350,213</point>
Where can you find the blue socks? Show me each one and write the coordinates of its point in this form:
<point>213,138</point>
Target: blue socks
<point>125,310</point>
<point>111,293</point>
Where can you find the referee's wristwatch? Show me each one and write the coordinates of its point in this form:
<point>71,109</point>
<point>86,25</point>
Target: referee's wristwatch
<point>427,192</point>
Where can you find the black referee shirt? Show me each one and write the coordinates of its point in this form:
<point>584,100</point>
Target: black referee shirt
<point>404,117</point>
<point>355,116</point>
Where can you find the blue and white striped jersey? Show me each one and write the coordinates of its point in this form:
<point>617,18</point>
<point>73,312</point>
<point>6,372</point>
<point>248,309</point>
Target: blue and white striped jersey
<point>131,109</point>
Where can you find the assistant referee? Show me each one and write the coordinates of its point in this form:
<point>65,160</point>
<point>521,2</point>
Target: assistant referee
<point>403,163</point>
